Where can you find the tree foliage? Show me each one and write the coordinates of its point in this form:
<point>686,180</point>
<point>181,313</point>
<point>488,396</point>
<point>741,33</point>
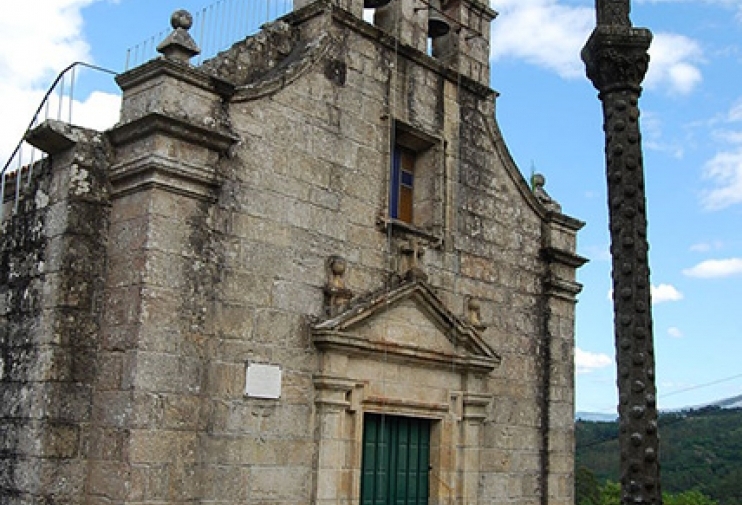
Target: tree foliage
<point>700,456</point>
<point>589,492</point>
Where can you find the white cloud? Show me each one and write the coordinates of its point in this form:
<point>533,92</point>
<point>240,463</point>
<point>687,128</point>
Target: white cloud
<point>99,111</point>
<point>598,253</point>
<point>674,332</point>
<point>586,361</point>
<point>542,32</point>
<point>672,64</point>
<point>735,113</point>
<point>661,293</point>
<point>654,138</point>
<point>725,171</point>
<point>551,35</point>
<point>707,246</point>
<point>715,268</point>
<point>732,4</point>
<point>40,38</point>
<point>665,293</point>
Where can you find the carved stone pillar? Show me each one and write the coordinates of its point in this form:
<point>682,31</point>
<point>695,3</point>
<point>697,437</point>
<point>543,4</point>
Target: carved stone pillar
<point>616,59</point>
<point>336,401</point>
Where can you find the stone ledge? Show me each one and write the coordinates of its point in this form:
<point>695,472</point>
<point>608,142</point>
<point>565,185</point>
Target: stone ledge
<point>181,72</point>
<point>346,343</point>
<point>156,122</point>
<point>152,171</point>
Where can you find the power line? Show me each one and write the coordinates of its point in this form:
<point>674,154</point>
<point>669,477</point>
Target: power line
<point>699,386</point>
<point>668,423</point>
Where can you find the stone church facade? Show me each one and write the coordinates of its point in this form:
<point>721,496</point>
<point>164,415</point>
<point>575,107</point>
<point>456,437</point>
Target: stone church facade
<point>305,272</point>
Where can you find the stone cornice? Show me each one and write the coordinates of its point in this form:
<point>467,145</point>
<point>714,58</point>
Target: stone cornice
<point>154,123</point>
<point>555,255</point>
<point>562,288</point>
<point>348,343</point>
<point>157,170</point>
<point>152,171</point>
<point>184,72</point>
<point>564,220</point>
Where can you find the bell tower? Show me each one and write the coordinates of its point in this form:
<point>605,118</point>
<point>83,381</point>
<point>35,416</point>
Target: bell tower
<point>456,32</point>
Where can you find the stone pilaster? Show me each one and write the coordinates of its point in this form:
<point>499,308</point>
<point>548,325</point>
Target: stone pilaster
<point>336,401</point>
<point>162,266</point>
<point>557,357</point>
<point>616,59</point>
<point>474,413</point>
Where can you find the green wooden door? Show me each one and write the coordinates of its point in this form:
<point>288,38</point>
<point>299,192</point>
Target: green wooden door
<point>396,459</point>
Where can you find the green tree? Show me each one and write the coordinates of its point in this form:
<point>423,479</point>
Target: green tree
<point>587,487</point>
<point>692,497</point>
<point>610,493</point>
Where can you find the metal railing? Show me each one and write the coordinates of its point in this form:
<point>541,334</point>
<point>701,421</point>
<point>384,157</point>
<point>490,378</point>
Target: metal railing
<point>57,103</point>
<point>216,28</point>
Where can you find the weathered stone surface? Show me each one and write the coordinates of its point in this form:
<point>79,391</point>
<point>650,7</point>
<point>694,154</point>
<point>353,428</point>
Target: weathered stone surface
<point>616,60</point>
<point>52,261</point>
<point>147,272</point>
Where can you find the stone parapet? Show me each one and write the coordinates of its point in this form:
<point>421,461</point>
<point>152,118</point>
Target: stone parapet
<point>52,264</point>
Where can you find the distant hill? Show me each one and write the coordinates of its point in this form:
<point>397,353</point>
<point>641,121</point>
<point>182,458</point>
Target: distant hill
<point>699,449</point>
<point>595,416</point>
<point>734,402</point>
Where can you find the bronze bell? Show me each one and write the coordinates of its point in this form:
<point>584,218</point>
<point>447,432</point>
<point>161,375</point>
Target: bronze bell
<point>437,23</point>
<point>373,4</point>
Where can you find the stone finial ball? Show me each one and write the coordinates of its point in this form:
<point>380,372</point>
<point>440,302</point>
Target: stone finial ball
<point>539,180</point>
<point>338,265</point>
<point>181,19</point>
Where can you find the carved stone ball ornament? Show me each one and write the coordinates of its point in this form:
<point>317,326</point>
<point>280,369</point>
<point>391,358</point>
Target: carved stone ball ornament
<point>179,45</point>
<point>181,19</point>
<point>337,267</point>
<point>337,295</point>
<point>539,181</point>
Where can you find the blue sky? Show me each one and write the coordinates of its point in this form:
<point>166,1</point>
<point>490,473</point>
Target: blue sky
<point>551,120</point>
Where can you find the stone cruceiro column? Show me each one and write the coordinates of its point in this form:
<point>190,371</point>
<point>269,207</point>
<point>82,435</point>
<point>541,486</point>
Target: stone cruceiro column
<point>616,59</point>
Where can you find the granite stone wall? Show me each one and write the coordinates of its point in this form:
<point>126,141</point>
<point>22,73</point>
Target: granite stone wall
<point>52,261</point>
<point>239,215</point>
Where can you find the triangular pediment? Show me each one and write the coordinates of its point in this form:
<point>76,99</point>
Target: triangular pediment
<point>409,321</point>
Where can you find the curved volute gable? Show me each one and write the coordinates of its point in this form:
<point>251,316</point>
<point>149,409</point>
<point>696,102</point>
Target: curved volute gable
<point>480,123</point>
<point>406,322</point>
<point>511,169</point>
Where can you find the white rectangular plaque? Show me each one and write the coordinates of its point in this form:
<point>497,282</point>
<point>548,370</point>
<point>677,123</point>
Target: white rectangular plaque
<point>263,381</point>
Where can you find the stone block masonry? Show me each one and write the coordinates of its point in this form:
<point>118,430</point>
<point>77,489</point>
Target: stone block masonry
<point>240,213</point>
<point>52,260</point>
